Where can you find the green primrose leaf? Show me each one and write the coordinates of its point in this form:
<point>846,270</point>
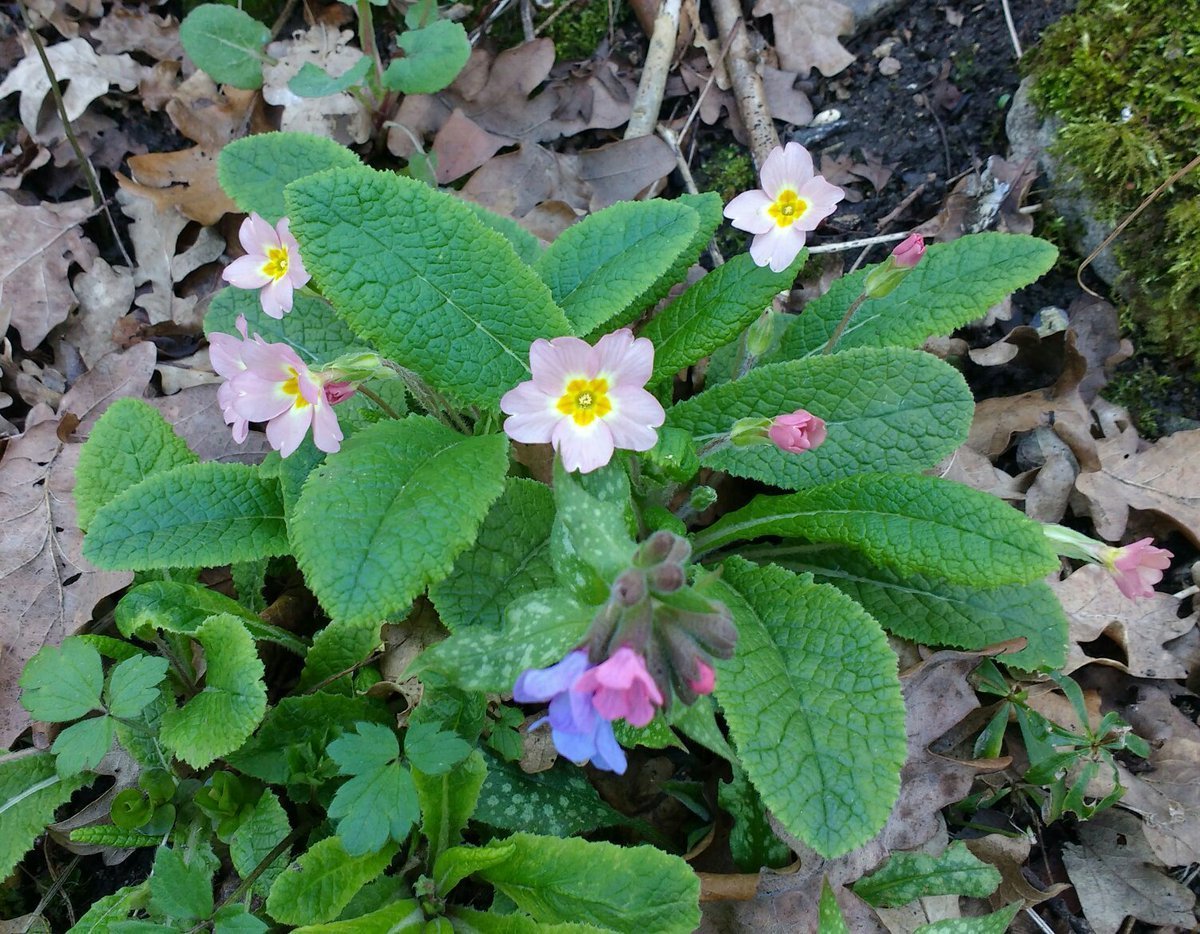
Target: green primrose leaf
<point>133,684</point>
<point>909,876</point>
<point>433,751</point>
<point>599,267</point>
<point>995,923</point>
<point>313,81</point>
<point>455,864</point>
<point>511,557</point>
<point>915,524</point>
<point>219,719</point>
<point>409,497</point>
<point>236,919</point>
<point>528,247</point>
<point>62,682</point>
<point>204,515</point>
<point>447,802</point>
<point>540,628</point>
<point>887,410</point>
<point>336,648</point>
<point>130,442</point>
<point>262,831</point>
<point>709,213</point>
<point>751,840</point>
<point>179,890</point>
<point>30,792</point>
<point>954,283</point>
<point>714,312</point>
<point>394,918</point>
<point>254,170</point>
<point>226,43</point>
<point>312,328</point>
<point>82,745</point>
<point>573,880</point>
<point>380,801</point>
<point>433,57</point>
<point>317,886</point>
<point>559,801</point>
<point>813,704</point>
<point>933,612</point>
<point>414,271</point>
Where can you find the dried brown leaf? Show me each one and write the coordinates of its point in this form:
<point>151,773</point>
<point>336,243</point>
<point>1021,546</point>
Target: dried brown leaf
<point>1008,855</point>
<point>105,296</point>
<point>341,117</point>
<point>806,34</point>
<point>125,29</point>
<point>1168,798</point>
<point>462,146</point>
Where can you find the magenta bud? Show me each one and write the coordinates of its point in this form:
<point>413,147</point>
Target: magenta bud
<point>909,251</point>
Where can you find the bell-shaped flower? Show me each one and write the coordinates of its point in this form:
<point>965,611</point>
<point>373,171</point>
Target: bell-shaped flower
<point>621,687</point>
<point>272,264</point>
<point>586,401</point>
<point>1137,567</point>
<point>793,200</point>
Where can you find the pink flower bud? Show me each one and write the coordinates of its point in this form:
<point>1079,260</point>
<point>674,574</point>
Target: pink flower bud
<point>909,251</point>
<point>704,682</point>
<point>797,432</point>
<point>339,392</point>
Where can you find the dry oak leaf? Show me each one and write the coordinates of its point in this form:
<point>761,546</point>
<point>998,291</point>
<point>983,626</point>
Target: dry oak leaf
<point>1116,876</point>
<point>138,30</point>
<point>1009,855</point>
<point>47,588</point>
<point>86,75</point>
<point>1168,799</point>
<point>1141,627</point>
<point>1164,479</point>
<point>806,34</point>
<point>105,296</point>
<point>64,14</point>
<point>341,117</point>
<point>38,245</point>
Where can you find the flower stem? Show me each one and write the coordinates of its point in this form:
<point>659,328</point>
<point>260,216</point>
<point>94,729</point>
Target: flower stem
<point>837,332</point>
<point>379,401</point>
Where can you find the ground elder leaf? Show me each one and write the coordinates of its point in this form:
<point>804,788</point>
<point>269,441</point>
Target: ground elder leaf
<point>885,409</point>
<point>180,890</point>
<point>954,283</point>
<point>134,683</point>
<point>221,717</point>
<point>414,271</point>
<point>81,746</point>
<point>913,523</point>
<point>599,267</point>
<point>203,515</point>
<point>813,703</point>
<point>714,312</point>
<point>510,557</point>
<point>379,801</point>
<point>409,497</point>
<point>906,877</point>
<point>254,170</point>
<point>30,791</point>
<point>63,682</point>
<point>432,750</point>
<point>318,885</point>
<point>256,837</point>
<point>130,442</point>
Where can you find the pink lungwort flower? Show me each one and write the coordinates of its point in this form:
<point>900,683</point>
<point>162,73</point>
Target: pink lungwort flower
<point>705,681</point>
<point>622,687</point>
<point>272,263</point>
<point>270,383</point>
<point>796,432</point>
<point>586,401</point>
<point>793,200</point>
<point>1137,567</point>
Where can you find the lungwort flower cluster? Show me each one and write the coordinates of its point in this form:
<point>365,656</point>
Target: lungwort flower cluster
<point>270,383</point>
<point>655,638</point>
<point>586,401</point>
<point>272,264</point>
<point>793,200</point>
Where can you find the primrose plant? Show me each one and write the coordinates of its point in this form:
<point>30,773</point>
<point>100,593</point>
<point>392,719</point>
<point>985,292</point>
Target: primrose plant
<point>502,454</point>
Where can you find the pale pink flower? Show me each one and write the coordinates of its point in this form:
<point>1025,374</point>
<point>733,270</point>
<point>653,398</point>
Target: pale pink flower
<point>796,432</point>
<point>586,401</point>
<point>272,264</point>
<point>909,251</point>
<point>225,355</point>
<point>793,200</point>
<point>621,687</point>
<point>1137,567</point>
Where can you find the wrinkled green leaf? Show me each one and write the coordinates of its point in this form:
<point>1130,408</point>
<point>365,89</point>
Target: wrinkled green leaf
<point>226,43</point>
<point>30,791</point>
<point>317,886</point>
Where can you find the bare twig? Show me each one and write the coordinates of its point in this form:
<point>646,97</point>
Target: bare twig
<point>648,100</point>
<point>855,244</point>
<point>748,89</point>
<point>688,181</point>
<point>527,20</point>
<point>1012,28</point>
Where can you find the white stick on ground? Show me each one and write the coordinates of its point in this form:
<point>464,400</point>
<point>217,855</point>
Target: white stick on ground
<point>648,101</point>
<point>747,83</point>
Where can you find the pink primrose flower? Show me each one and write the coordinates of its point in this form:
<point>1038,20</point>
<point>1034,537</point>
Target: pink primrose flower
<point>1137,567</point>
<point>586,401</point>
<point>909,251</point>
<point>225,355</point>
<point>796,432</point>
<point>272,263</point>
<point>621,687</point>
<point>793,200</point>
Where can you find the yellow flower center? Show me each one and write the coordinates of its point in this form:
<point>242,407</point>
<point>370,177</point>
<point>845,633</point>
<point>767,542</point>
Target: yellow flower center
<point>276,265</point>
<point>788,208</point>
<point>292,388</point>
<point>585,400</point>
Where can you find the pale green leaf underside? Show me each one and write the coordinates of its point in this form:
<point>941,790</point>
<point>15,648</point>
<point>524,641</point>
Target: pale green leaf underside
<point>933,612</point>
<point>255,170</point>
<point>598,267</point>
<point>418,275</point>
<point>915,524</point>
<point>813,703</point>
<point>388,514</point>
<point>511,557</point>
<point>30,791</point>
<point>885,410</point>
<point>318,885</point>
<point>130,442</point>
<point>394,918</point>
<point>909,876</point>
<point>196,515</point>
<point>312,327</point>
<point>222,716</point>
<point>714,312</point>
<point>955,283</point>
<point>572,880</point>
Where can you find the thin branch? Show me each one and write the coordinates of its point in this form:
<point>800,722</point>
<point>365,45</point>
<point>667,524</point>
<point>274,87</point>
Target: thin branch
<point>688,181</point>
<point>1012,29</point>
<point>687,124</point>
<point>648,101</point>
<point>855,244</point>
<point>748,88</point>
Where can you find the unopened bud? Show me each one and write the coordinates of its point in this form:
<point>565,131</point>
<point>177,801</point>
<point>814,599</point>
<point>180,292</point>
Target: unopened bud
<point>667,578</point>
<point>600,632</point>
<point>760,337</point>
<point>714,631</point>
<point>357,366</point>
<point>891,272</point>
<point>655,549</point>
<point>702,497</point>
<point>750,431</point>
<point>629,589</point>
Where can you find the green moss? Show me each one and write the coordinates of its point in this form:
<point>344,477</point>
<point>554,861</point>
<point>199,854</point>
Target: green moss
<point>1121,76</point>
<point>728,171</point>
<point>576,32</point>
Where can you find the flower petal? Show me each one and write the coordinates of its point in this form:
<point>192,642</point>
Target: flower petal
<point>635,415</point>
<point>286,431</point>
<point>555,362</point>
<point>609,754</point>
<point>797,164</point>
<point>272,361</point>
<point>327,433</point>
<point>777,248</point>
<point>623,360</point>
<point>246,273</point>
<point>259,400</point>
<point>822,198</point>
<point>540,684</point>
<point>748,211</point>
<point>276,297</point>
<point>583,448</point>
<point>525,399</point>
